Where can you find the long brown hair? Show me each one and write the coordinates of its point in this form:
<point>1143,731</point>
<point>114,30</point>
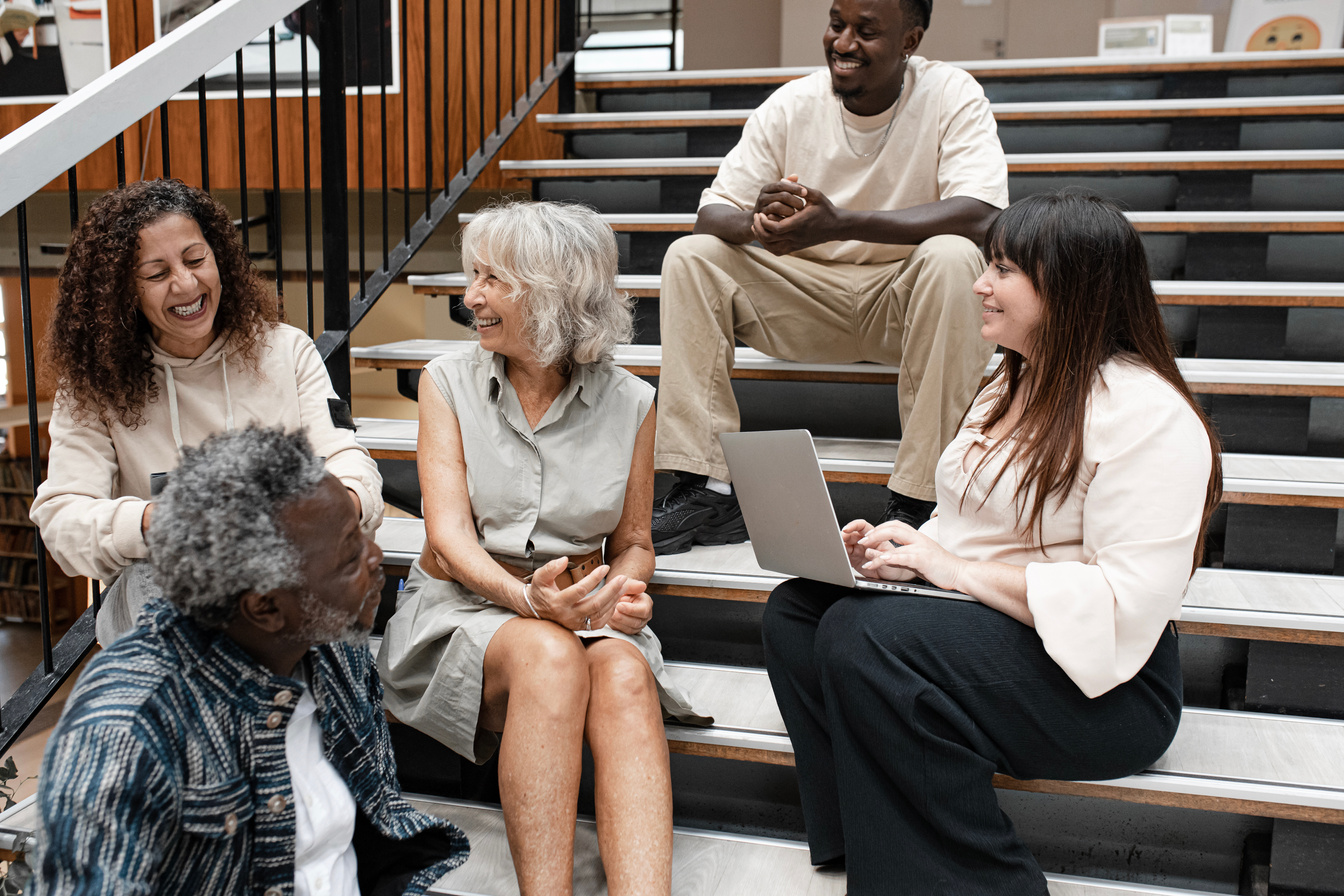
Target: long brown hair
<point>97,342</point>
<point>1088,267</point>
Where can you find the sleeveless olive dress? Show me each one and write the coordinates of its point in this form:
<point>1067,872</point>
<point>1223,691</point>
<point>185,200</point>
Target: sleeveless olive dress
<point>535,495</point>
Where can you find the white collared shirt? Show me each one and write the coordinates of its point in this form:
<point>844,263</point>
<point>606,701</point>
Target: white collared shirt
<point>324,810</point>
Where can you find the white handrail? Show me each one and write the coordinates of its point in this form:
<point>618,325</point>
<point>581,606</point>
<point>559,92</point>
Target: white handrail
<point>46,147</point>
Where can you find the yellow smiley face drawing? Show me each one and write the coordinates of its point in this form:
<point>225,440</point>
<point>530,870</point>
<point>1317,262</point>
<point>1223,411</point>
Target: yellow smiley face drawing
<point>1286,33</point>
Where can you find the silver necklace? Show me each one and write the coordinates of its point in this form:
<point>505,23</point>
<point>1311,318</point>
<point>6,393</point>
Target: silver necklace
<point>885,134</point>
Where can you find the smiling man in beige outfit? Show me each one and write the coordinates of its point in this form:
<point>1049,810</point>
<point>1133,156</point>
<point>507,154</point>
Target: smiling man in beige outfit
<point>868,187</point>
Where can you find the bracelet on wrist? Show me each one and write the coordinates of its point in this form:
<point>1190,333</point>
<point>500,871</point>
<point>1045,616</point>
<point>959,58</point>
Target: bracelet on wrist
<point>527,596</point>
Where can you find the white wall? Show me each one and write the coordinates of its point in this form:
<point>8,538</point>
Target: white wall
<point>960,29</point>
<point>732,33</point>
<point>800,25</point>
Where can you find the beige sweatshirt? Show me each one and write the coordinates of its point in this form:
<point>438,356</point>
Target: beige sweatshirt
<point>90,506</point>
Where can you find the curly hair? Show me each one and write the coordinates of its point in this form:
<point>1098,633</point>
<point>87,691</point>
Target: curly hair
<point>215,536</point>
<point>97,342</point>
<point>561,259</point>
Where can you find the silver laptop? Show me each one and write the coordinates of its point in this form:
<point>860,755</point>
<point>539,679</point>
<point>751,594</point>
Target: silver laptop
<point>789,514</point>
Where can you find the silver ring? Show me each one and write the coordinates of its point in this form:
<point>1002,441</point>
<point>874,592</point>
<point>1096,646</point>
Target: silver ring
<point>587,623</point>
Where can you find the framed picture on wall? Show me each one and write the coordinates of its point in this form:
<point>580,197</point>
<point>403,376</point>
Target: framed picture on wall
<point>50,49</point>
<point>363,55</point>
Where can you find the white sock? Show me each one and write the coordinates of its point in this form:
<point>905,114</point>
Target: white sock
<point>718,486</point>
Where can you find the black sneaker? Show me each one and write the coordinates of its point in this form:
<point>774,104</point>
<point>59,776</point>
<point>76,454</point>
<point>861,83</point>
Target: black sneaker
<point>911,511</point>
<point>692,514</point>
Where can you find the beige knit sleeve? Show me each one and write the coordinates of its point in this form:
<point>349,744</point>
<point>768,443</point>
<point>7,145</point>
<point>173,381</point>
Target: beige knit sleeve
<point>87,526</point>
<point>346,459</point>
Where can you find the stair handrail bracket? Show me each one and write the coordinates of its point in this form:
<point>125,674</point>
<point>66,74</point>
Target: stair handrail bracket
<point>44,148</point>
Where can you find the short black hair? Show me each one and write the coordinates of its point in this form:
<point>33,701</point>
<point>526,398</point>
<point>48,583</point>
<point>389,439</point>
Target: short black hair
<point>920,11</point>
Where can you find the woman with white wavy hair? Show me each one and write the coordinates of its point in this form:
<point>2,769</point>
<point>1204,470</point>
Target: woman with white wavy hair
<point>524,626</point>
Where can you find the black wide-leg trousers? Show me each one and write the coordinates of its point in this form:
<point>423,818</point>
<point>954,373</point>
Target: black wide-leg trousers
<point>901,709</point>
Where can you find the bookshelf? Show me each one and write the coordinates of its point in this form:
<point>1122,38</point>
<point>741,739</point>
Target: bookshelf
<point>19,598</point>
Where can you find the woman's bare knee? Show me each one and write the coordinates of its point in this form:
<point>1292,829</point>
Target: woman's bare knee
<point>619,673</point>
<point>537,661</point>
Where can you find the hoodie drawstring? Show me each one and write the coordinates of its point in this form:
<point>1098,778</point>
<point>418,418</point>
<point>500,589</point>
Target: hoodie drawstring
<point>172,406</point>
<point>171,383</point>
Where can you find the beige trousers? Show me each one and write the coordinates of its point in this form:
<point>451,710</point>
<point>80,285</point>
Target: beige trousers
<point>919,313</point>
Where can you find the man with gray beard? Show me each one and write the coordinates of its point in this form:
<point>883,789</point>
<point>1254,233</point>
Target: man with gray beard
<point>235,741</point>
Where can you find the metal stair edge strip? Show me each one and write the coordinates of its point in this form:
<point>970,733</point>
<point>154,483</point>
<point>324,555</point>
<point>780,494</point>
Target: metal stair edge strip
<point>1228,156</point>
<point>1221,371</point>
<point>1120,64</point>
<point>459,279</point>
<point>1307,103</point>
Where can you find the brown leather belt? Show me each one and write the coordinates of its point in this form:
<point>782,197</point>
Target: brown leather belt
<point>577,569</point>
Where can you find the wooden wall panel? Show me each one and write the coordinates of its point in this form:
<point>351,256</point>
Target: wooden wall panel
<point>131,28</point>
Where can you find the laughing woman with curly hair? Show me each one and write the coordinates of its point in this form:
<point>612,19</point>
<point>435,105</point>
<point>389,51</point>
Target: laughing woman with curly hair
<point>163,334</point>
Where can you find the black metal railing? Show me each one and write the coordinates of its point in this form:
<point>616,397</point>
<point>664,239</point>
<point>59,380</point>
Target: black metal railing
<point>457,124</point>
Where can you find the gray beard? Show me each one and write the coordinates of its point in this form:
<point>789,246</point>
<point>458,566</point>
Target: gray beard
<point>326,625</point>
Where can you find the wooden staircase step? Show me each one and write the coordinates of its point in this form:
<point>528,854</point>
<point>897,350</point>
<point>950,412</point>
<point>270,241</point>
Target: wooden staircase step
<point>1018,163</point>
<point>1248,763</point>
<point>992,69</point>
<point>1265,479</point>
<point>1210,376</point>
<point>1259,764</point>
<point>704,863</point>
<point>1106,110</point>
<point>1221,293</point>
<point>1261,606</point>
<point>1144,222</point>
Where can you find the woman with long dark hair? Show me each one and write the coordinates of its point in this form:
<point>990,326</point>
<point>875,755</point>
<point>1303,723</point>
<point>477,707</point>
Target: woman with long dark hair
<point>1072,507</point>
<point>163,334</point>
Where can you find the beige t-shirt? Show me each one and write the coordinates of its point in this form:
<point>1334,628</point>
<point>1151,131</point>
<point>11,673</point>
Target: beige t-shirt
<point>1115,559</point>
<point>943,143</point>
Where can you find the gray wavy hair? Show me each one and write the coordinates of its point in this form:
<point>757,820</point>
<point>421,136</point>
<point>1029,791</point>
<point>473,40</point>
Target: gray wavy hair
<point>214,537</point>
<point>561,260</point>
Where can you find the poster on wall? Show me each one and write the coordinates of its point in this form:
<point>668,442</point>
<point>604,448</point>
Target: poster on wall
<point>1284,25</point>
<point>363,56</point>
<point>51,48</point>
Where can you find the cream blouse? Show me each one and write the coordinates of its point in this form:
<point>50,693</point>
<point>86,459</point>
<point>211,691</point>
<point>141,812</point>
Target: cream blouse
<point>1116,557</point>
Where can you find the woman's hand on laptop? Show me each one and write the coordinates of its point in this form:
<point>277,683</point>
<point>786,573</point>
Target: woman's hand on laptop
<point>896,552</point>
<point>851,535</point>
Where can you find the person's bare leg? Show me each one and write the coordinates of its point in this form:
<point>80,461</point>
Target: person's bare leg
<point>630,769</point>
<point>536,693</point>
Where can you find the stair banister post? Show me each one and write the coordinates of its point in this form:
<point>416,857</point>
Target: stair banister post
<point>566,24</point>
<point>335,198</point>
